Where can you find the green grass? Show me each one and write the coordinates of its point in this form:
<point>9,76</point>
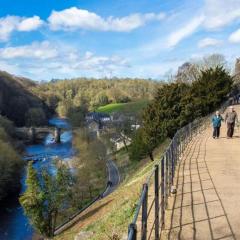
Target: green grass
<point>123,107</point>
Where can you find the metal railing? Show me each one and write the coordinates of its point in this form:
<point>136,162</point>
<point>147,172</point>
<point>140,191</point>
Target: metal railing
<point>160,183</point>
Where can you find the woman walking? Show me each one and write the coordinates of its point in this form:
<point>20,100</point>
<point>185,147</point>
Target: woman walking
<point>216,121</point>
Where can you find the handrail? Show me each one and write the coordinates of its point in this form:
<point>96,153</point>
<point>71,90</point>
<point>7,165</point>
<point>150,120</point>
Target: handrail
<point>163,173</point>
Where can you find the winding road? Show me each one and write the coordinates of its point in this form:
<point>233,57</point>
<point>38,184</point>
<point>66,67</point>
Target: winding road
<point>113,178</point>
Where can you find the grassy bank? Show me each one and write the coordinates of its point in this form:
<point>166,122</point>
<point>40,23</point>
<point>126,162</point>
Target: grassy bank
<point>110,216</point>
<point>123,107</point>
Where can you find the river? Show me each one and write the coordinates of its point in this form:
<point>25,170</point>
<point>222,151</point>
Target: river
<point>14,225</point>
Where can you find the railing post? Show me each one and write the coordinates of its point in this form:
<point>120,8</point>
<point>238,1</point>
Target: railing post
<point>144,212</point>
<point>172,164</point>
<point>156,188</point>
<point>132,229</point>
<point>190,131</point>
<point>166,187</point>
<point>166,180</point>
<point>168,161</point>
<point>162,195</point>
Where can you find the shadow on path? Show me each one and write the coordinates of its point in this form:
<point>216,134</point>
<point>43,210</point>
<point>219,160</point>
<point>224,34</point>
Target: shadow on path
<point>197,212</point>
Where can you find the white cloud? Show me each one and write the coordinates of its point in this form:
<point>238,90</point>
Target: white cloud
<point>75,18</point>
<point>220,13</point>
<point>14,23</point>
<point>235,37</point>
<point>185,31</point>
<point>214,15</point>
<point>30,24</point>
<point>58,60</point>
<point>208,42</point>
<point>42,50</point>
<point>7,26</point>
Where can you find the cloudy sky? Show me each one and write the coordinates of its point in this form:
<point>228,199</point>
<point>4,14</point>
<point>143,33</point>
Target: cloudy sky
<point>45,39</point>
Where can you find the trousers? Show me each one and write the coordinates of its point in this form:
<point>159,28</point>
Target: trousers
<point>230,129</point>
<point>216,132</point>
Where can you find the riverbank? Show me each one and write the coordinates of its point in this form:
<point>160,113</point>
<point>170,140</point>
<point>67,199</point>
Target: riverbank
<point>14,224</point>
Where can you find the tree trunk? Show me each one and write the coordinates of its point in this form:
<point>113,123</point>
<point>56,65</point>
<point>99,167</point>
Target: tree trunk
<point>125,145</point>
<point>151,156</point>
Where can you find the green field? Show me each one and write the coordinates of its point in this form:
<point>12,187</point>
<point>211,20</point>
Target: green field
<point>123,107</point>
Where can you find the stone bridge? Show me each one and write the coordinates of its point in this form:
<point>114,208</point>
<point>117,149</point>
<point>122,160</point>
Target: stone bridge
<point>34,133</point>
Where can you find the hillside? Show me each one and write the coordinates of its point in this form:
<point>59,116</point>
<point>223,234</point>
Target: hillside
<point>16,100</point>
<point>109,217</point>
<point>123,107</point>
<point>65,95</point>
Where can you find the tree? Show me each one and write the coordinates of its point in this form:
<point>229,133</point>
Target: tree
<point>177,104</point>
<point>138,148</point>
<point>211,90</point>
<point>46,196</point>
<point>188,73</point>
<point>123,126</point>
<point>76,115</point>
<point>35,117</point>
<point>7,125</point>
<point>10,167</point>
<point>213,61</point>
<point>90,165</point>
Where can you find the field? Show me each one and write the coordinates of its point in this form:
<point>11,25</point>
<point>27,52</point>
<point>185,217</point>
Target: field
<point>123,107</point>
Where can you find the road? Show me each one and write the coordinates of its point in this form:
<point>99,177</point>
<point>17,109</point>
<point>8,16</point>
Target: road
<point>113,178</point>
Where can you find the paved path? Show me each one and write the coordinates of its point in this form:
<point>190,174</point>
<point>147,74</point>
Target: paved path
<point>207,203</point>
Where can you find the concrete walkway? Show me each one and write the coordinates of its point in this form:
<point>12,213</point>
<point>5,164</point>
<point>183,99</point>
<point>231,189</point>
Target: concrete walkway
<point>207,203</point>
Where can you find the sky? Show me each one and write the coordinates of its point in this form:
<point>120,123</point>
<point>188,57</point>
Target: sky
<point>49,39</point>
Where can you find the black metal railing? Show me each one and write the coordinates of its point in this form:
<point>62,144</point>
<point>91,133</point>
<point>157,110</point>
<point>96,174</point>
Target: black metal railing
<point>161,181</point>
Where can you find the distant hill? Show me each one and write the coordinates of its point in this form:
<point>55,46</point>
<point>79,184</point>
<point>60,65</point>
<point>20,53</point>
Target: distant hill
<point>64,96</point>
<point>16,99</point>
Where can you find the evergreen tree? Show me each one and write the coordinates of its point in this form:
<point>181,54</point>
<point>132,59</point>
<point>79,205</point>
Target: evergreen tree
<point>46,196</point>
<point>177,104</point>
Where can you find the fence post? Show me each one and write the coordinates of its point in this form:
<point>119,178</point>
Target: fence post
<point>168,171</point>
<point>166,180</point>
<point>190,131</point>
<point>144,212</point>
<point>132,228</point>
<point>162,195</point>
<point>172,164</point>
<point>156,188</point>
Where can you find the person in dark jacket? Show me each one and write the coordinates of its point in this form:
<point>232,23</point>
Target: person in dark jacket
<point>230,118</point>
<point>216,121</point>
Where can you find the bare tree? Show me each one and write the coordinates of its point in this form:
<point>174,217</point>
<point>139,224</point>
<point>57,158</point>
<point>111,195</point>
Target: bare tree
<point>214,60</point>
<point>188,72</point>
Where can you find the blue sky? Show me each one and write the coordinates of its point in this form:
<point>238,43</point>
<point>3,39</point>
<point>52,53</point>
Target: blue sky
<point>96,38</point>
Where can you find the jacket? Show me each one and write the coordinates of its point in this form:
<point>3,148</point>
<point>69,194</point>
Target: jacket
<point>231,117</point>
<point>216,120</point>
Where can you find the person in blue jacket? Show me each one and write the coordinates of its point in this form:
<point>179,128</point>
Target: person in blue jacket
<point>216,121</point>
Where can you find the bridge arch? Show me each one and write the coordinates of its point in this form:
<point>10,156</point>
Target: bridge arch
<point>35,133</point>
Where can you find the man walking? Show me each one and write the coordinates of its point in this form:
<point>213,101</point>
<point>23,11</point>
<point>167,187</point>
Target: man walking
<point>230,118</point>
